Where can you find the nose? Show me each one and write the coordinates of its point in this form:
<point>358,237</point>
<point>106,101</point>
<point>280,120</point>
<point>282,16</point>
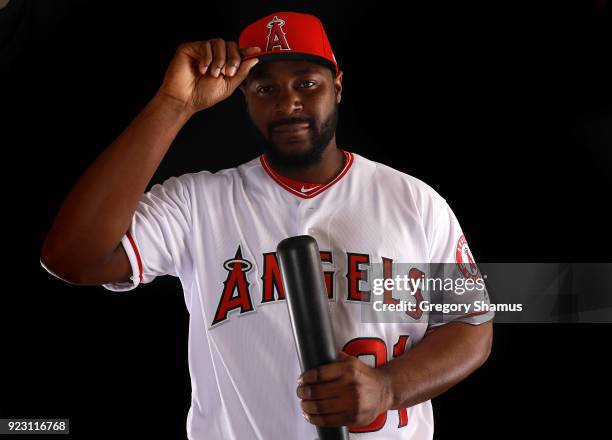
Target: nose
<point>288,102</point>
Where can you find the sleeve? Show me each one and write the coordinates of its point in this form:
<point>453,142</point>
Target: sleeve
<point>157,240</point>
<point>451,259</point>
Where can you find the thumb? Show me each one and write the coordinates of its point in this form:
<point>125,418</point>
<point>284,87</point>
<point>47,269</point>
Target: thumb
<point>245,65</point>
<point>243,71</point>
<point>343,355</point>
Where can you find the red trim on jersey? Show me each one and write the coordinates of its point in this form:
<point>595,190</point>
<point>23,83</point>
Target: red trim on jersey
<point>296,187</point>
<point>133,243</point>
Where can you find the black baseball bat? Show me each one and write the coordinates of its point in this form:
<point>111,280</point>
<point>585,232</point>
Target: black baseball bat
<point>308,304</point>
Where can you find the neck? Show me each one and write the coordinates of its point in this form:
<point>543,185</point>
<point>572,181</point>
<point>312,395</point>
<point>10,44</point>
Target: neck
<point>330,165</point>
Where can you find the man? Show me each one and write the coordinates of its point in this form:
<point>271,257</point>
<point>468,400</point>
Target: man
<point>218,232</point>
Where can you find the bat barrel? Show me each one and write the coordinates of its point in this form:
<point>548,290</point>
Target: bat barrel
<point>300,266</point>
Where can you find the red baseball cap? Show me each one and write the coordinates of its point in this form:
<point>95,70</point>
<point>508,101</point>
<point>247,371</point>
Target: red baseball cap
<point>289,36</point>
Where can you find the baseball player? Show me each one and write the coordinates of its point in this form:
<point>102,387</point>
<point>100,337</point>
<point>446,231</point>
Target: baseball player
<point>217,232</point>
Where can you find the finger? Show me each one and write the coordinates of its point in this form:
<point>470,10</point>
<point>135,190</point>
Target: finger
<point>324,390</point>
<point>206,56</point>
<point>318,407</point>
<point>244,51</point>
<point>188,52</point>
<point>329,420</point>
<point>219,53</point>
<point>232,59</point>
<point>322,373</point>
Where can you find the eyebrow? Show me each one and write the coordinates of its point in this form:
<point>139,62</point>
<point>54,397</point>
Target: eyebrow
<point>264,75</point>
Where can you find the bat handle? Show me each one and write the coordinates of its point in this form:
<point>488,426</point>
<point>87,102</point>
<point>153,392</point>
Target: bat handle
<point>339,433</point>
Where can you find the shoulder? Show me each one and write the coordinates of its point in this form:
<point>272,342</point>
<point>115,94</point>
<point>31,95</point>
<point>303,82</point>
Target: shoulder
<point>223,177</point>
<point>405,186</point>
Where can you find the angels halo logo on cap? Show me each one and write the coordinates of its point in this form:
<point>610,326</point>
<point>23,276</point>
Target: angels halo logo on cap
<point>289,36</point>
<point>276,35</point>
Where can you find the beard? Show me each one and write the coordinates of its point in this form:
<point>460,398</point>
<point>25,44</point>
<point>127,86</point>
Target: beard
<point>318,138</point>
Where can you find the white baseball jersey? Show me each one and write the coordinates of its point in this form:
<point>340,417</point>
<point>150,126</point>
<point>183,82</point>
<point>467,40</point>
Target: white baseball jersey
<point>218,233</point>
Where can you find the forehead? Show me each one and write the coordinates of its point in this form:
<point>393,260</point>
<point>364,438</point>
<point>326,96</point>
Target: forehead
<point>278,69</point>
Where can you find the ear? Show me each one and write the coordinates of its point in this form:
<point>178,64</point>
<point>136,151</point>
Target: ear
<point>338,86</point>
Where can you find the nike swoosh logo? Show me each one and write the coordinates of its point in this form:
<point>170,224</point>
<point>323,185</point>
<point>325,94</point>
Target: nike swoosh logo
<point>305,190</point>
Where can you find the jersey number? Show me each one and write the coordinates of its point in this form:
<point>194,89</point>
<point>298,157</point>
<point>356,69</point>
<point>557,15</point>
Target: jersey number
<point>377,348</point>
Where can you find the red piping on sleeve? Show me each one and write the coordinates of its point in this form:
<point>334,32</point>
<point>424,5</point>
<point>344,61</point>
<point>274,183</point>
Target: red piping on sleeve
<point>129,236</point>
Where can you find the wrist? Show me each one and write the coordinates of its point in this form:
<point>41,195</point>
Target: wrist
<point>175,106</point>
<point>387,395</point>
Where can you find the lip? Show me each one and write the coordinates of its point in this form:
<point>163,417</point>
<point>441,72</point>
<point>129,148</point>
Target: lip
<point>292,129</point>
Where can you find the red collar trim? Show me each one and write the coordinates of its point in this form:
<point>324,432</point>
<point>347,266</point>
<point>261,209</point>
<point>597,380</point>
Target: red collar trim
<point>303,189</point>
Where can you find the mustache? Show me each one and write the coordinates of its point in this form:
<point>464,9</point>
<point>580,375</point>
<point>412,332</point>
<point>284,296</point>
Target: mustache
<point>291,121</point>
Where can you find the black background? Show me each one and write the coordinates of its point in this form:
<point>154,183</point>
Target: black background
<point>504,108</point>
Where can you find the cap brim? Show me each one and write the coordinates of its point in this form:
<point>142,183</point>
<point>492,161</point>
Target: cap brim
<point>295,56</point>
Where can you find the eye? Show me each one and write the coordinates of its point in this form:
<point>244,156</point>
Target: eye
<point>263,89</point>
<point>308,82</point>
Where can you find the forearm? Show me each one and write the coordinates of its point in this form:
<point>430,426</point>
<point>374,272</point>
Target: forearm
<point>442,359</point>
<point>98,210</point>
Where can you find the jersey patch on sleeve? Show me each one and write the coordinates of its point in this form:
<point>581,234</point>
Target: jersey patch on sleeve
<point>464,259</point>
